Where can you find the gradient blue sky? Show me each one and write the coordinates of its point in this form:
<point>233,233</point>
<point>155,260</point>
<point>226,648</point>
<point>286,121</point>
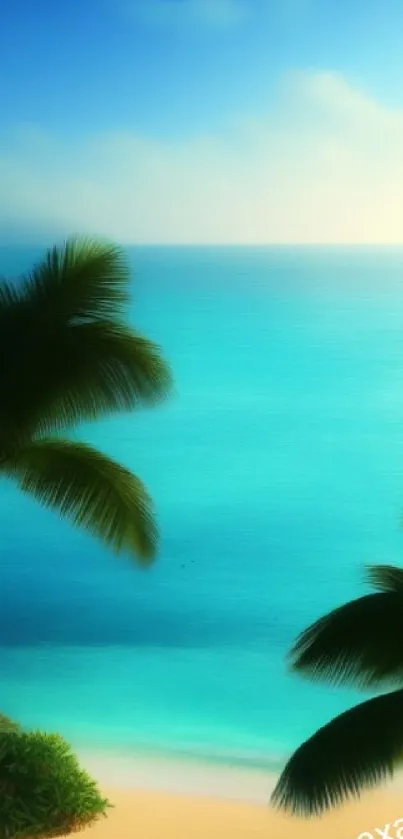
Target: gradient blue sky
<point>202,120</point>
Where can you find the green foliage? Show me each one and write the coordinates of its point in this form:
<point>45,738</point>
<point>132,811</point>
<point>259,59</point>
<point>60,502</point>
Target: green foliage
<point>92,490</point>
<point>66,356</point>
<point>8,725</point>
<point>43,791</point>
<point>360,643</point>
<point>358,749</point>
<point>66,352</point>
<point>385,578</point>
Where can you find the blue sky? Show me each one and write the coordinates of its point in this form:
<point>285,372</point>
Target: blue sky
<point>202,120</point>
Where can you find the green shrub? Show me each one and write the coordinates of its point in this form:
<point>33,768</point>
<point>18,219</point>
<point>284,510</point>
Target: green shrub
<point>43,791</point>
<point>8,725</point>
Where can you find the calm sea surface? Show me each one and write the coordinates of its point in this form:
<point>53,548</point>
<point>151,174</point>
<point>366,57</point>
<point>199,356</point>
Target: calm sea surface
<point>277,471</point>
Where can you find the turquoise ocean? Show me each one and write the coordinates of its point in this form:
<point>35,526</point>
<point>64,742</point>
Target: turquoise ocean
<point>277,471</point>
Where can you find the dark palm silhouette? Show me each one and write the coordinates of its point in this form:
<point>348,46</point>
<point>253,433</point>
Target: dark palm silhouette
<point>67,355</point>
<point>359,644</point>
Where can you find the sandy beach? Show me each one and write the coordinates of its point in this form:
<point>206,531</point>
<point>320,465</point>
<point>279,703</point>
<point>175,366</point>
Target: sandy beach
<point>163,799</point>
<point>155,815</point>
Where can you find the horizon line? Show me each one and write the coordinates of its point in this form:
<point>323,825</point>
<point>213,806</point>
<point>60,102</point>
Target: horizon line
<point>273,245</point>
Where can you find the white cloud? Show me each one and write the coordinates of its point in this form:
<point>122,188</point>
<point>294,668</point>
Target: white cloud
<point>325,166</point>
<point>179,13</point>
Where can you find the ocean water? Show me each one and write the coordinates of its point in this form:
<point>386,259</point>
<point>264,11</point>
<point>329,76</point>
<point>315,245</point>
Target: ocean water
<point>277,471</point>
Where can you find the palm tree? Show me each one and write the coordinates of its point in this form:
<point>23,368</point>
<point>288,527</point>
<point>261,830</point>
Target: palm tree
<point>67,355</point>
<point>359,644</point>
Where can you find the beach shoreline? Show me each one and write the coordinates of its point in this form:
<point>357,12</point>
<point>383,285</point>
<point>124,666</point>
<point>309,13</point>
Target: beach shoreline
<point>188,776</point>
<point>164,798</point>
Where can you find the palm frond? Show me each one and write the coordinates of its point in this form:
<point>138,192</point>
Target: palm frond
<point>66,354</point>
<point>360,643</point>
<point>103,367</point>
<point>75,373</point>
<point>93,491</point>
<point>357,750</point>
<point>84,278</point>
<point>385,577</point>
